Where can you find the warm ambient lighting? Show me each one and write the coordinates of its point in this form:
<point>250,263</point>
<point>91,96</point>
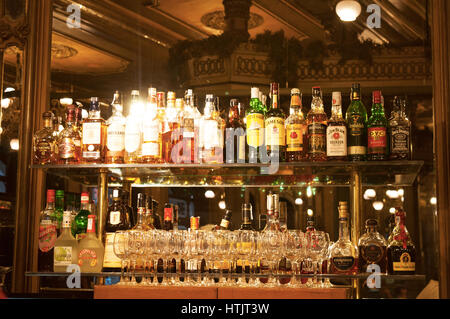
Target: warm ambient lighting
<point>369,193</point>
<point>308,191</point>
<point>222,204</point>
<point>433,200</point>
<point>5,103</point>
<point>9,89</point>
<point>378,205</point>
<point>348,10</point>
<point>209,194</point>
<point>392,210</point>
<point>310,212</point>
<point>392,194</point>
<point>298,201</point>
<point>66,101</point>
<point>14,143</point>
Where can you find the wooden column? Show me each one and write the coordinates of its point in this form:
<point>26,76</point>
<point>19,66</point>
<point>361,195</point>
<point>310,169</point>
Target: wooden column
<point>441,93</point>
<point>30,183</point>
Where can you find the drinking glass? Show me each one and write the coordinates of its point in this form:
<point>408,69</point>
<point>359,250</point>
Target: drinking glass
<point>120,245</point>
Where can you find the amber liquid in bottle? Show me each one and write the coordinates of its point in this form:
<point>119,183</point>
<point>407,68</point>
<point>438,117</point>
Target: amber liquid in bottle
<point>93,135</point>
<point>336,131</point>
<point>69,141</point>
<point>295,129</point>
<point>115,136</point>
<point>170,128</point>
<point>317,128</point>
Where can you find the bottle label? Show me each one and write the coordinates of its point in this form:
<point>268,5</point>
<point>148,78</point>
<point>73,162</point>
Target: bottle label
<point>168,214</point>
<point>356,133</point>
<point>336,141</point>
<point>151,132</point>
<point>400,139</point>
<point>66,148</point>
<point>404,263</point>
<point>110,259</point>
<point>210,134</point>
<point>87,257</point>
<point>47,236</point>
<point>294,137</point>
<point>188,128</point>
<point>114,217</point>
<point>80,236</point>
<point>92,133</point>
<point>150,149</point>
<point>317,138</point>
<point>132,137</point>
<point>275,131</point>
<point>224,223</point>
<point>43,150</point>
<point>62,256</point>
<point>343,263</point>
<point>115,141</point>
<point>255,129</point>
<point>372,253</point>
<point>376,141</point>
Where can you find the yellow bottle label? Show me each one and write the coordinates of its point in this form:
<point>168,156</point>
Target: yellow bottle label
<point>294,137</point>
<point>275,131</point>
<point>405,263</point>
<point>255,129</point>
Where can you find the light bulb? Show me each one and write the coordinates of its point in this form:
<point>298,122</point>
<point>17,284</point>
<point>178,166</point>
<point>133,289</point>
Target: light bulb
<point>14,143</point>
<point>401,192</point>
<point>392,210</point>
<point>370,193</point>
<point>378,205</point>
<point>298,201</point>
<point>392,193</point>
<point>5,103</point>
<point>209,194</point>
<point>66,101</point>
<point>308,191</point>
<point>348,10</point>
<point>222,204</point>
<point>433,200</point>
<point>310,212</point>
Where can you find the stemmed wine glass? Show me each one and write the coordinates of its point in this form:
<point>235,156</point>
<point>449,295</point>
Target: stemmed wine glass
<point>120,247</point>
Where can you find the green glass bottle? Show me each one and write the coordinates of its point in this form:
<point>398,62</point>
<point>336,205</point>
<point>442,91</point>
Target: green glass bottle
<point>81,220</point>
<point>356,118</point>
<point>377,142</point>
<point>59,210</point>
<point>274,126</point>
<point>255,126</point>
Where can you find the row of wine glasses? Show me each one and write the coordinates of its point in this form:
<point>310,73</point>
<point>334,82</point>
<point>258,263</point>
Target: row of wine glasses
<point>225,258</point>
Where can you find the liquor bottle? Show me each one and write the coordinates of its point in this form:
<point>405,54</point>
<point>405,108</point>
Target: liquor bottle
<point>133,128</point>
<point>401,252</point>
<point>399,132</point>
<point>209,134</point>
<point>176,209</point>
<point>235,145</point>
<point>224,222</point>
<point>131,217</point>
<point>188,129</point>
<point>317,128</point>
<point>115,133</point>
<point>149,213</point>
<point>255,126</point>
<point>141,221</point>
<point>168,217</point>
<point>81,220</point>
<point>57,126</point>
<point>151,137</point>
<point>275,135</point>
<point>295,129</point>
<point>273,222</point>
<point>116,220</point>
<point>310,224</point>
<point>157,221</point>
<point>356,118</point>
<point>198,118</point>
<point>247,217</point>
<point>47,233</point>
<point>194,223</point>
<point>170,128</point>
<point>66,247</point>
<point>69,140</point>
<point>336,131</point>
<point>161,113</point>
<point>283,216</point>
<point>90,250</point>
<point>372,248</point>
<point>59,210</point>
<point>178,152</point>
<point>377,144</point>
<point>44,143</point>
<point>220,129</point>
<point>343,253</point>
<point>93,139</point>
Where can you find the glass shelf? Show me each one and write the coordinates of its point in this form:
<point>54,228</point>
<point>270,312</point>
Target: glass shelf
<point>385,173</point>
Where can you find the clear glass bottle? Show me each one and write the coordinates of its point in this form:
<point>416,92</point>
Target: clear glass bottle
<point>161,113</point>
<point>336,131</point>
<point>317,128</point>
<point>295,129</point>
<point>133,129</point>
<point>115,133</point>
<point>66,246</point>
<point>343,253</point>
<point>141,221</point>
<point>69,140</point>
<point>255,126</point>
<point>188,129</point>
<point>220,130</point>
<point>372,248</point>
<point>209,134</point>
<point>273,208</point>
<point>274,123</point>
<point>90,250</point>
<point>93,138</point>
<point>356,118</point>
<point>44,142</point>
<point>81,220</point>
<point>151,135</point>
<point>47,233</point>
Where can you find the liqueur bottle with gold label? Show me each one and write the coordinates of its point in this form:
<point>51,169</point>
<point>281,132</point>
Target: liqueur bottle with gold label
<point>317,128</point>
<point>372,248</point>
<point>93,137</point>
<point>255,126</point>
<point>336,131</point>
<point>274,123</point>
<point>377,142</point>
<point>401,251</point>
<point>295,129</point>
<point>69,140</point>
<point>356,118</point>
<point>115,133</point>
<point>44,142</point>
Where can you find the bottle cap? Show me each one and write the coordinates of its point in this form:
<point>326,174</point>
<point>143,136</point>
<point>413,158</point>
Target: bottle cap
<point>85,197</point>
<point>316,91</point>
<point>376,96</point>
<point>255,93</point>
<point>371,223</point>
<point>295,91</point>
<point>336,98</point>
<point>94,99</point>
<point>234,102</point>
<point>59,193</point>
<point>51,195</point>
<point>189,92</point>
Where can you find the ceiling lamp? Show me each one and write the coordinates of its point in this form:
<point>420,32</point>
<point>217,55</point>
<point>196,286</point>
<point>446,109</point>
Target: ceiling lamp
<point>378,205</point>
<point>209,194</point>
<point>348,10</point>
<point>298,201</point>
<point>66,101</point>
<point>222,204</point>
<point>310,212</point>
<point>14,143</point>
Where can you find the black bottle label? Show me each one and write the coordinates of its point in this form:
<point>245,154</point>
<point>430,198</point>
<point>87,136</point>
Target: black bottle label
<point>356,140</point>
<point>317,138</point>
<point>399,140</point>
<point>343,263</point>
<point>372,253</point>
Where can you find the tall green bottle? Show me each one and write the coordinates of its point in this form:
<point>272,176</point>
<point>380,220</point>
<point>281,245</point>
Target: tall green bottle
<point>59,210</point>
<point>255,126</point>
<point>356,118</point>
<point>377,142</point>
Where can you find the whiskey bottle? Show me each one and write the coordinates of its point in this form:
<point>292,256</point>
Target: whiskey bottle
<point>168,217</point>
<point>93,135</point>
<point>275,135</point>
<point>399,132</point>
<point>133,130</point>
<point>356,118</point>
<point>47,233</point>
<point>247,217</point>
<point>157,221</point>
<point>115,133</point>
<point>220,129</point>
<point>295,129</point>
<point>131,216</point>
<point>69,140</point>
<point>161,113</point>
<point>141,221</point>
<point>170,128</point>
<point>377,148</point>
<point>317,128</point>
<point>188,129</point>
<point>273,204</point>
<point>235,145</point>
<point>336,131</point>
<point>209,134</point>
<point>90,250</point>
<point>151,135</point>
<point>255,126</point>
<point>401,252</point>
<point>224,222</point>
<point>372,248</point>
<point>44,142</point>
<point>81,220</point>
<point>66,247</point>
<point>343,253</point>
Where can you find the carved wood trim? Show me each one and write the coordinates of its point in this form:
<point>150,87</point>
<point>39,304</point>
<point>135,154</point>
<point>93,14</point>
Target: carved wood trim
<point>13,32</point>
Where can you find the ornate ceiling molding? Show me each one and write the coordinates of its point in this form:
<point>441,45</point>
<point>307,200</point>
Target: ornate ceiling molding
<point>13,32</point>
<point>216,20</point>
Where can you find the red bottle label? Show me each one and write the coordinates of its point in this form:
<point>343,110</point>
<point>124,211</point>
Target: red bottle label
<point>377,141</point>
<point>168,212</point>
<point>87,257</point>
<point>47,237</point>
